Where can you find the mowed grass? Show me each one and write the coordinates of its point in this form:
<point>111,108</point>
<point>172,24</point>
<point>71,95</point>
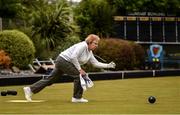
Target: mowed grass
<point>128,96</point>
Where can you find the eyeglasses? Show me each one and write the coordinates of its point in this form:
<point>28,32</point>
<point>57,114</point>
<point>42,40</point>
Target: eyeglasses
<point>95,43</point>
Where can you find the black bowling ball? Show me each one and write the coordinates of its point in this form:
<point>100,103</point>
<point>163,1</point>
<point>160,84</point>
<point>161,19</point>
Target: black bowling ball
<point>152,99</point>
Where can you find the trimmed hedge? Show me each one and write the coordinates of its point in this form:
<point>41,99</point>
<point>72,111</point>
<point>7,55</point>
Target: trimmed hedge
<point>127,55</point>
<point>19,47</point>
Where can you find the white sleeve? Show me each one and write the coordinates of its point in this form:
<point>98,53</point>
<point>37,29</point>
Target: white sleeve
<point>96,63</point>
<point>78,50</point>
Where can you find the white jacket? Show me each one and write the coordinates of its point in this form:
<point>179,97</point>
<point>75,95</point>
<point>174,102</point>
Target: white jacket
<point>79,54</point>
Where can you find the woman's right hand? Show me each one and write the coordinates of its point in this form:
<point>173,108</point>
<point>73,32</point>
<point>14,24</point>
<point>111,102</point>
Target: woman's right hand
<point>82,72</point>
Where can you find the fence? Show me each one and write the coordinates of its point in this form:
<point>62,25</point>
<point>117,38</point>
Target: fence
<point>164,30</point>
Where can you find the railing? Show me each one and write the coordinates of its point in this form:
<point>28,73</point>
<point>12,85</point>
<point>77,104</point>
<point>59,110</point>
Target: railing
<point>45,64</point>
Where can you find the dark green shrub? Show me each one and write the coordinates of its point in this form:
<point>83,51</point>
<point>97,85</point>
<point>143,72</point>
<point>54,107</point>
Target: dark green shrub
<point>139,55</point>
<point>19,47</point>
<point>120,51</point>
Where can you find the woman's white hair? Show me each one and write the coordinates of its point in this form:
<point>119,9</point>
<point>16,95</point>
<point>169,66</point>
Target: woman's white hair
<point>91,38</point>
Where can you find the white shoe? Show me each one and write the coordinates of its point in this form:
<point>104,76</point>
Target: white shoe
<point>27,93</point>
<point>81,100</point>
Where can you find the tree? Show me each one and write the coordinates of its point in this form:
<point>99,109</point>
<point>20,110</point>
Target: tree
<point>124,7</point>
<point>51,23</point>
<point>9,9</point>
<point>94,16</point>
<point>172,7</point>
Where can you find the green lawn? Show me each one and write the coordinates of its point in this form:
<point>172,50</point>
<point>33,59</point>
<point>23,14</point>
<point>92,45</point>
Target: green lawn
<point>126,96</point>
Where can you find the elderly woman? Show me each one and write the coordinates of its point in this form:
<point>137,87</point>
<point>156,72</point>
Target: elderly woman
<point>69,62</point>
